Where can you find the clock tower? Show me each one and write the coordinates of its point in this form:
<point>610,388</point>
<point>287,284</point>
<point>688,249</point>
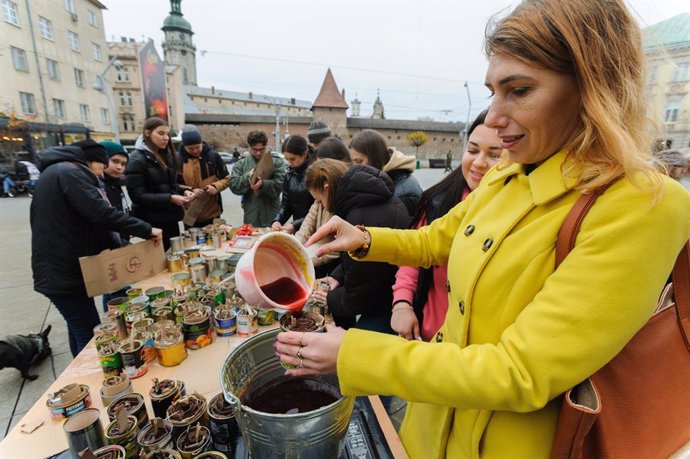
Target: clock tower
<point>178,48</point>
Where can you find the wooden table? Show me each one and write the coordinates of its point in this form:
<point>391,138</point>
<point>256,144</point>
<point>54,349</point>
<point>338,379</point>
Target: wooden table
<point>200,372</point>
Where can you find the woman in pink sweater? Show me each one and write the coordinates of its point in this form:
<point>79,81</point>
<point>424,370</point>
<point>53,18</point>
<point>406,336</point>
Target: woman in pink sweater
<point>419,294</point>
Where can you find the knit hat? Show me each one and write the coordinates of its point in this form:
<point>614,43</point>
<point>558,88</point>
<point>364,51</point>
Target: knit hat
<point>114,148</point>
<point>317,131</point>
<point>190,135</point>
<point>93,151</point>
<point>671,158</point>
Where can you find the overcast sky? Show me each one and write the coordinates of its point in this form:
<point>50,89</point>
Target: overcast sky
<point>418,53</point>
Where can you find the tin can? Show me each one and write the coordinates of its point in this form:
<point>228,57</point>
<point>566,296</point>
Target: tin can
<point>163,394</point>
<point>201,238</point>
<point>170,355</point>
<point>265,316</point>
<point>222,424</point>
<point>120,303</point>
<point>211,455</point>
<point>187,411</point>
<point>192,252</point>
<point>159,303</point>
<point>176,244</point>
<point>223,263</point>
<point>84,430</point>
<point>181,281</point>
<point>69,400</point>
<point>226,322</point>
<point>164,313</point>
<point>215,277</point>
<point>132,318</point>
<point>197,331</point>
<point>146,338</point>
<point>111,362</point>
<point>301,321</point>
<point>125,437</point>
<point>174,263</point>
<point>143,302</point>
<point>211,263</point>
<point>110,452</point>
<point>154,293</point>
<point>247,322</point>
<point>134,404</point>
<point>143,324</point>
<point>117,317</point>
<point>156,436</point>
<point>106,339</point>
<point>105,327</point>
<point>114,387</point>
<point>193,442</point>
<point>133,361</point>
<point>215,240</point>
<point>133,292</point>
<point>198,273</point>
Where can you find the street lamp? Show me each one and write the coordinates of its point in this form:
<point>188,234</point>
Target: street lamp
<point>469,109</point>
<point>101,85</point>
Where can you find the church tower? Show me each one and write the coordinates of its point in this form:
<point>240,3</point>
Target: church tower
<point>178,48</point>
<point>378,108</point>
<point>330,106</point>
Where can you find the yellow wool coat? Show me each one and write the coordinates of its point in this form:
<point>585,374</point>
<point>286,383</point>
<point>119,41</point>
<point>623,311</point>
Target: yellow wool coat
<point>517,333</point>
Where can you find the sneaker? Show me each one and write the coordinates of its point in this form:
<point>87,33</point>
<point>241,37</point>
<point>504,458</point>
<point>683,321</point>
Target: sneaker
<point>11,194</point>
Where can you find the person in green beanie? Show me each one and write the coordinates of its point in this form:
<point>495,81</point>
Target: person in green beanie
<point>113,175</point>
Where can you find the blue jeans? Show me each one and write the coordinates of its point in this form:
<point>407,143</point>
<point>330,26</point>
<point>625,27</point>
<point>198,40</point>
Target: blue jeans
<point>7,184</point>
<point>81,316</point>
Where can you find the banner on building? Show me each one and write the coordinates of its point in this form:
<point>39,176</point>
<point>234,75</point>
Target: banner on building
<point>153,82</point>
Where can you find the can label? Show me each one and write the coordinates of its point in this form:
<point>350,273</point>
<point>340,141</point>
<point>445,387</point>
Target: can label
<point>227,326</point>
<point>111,364</point>
<point>198,335</point>
<point>133,363</point>
<point>247,324</point>
<point>266,316</point>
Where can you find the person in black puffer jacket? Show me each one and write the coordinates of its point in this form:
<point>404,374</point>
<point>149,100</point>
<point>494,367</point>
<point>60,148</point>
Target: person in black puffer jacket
<point>360,195</point>
<point>296,200</point>
<point>71,218</point>
<point>152,180</point>
<point>369,147</point>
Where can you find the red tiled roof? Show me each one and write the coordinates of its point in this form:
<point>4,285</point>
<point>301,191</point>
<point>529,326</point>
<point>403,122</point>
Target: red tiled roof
<point>329,96</point>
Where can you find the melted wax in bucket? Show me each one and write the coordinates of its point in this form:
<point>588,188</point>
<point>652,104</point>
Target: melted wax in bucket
<point>285,291</point>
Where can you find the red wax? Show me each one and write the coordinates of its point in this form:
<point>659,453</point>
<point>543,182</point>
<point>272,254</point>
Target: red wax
<point>284,291</point>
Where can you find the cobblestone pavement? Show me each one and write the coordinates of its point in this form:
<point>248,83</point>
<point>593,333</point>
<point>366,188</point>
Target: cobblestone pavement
<point>23,311</point>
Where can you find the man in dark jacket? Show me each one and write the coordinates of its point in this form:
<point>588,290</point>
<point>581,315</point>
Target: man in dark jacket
<point>71,218</point>
<point>205,174</point>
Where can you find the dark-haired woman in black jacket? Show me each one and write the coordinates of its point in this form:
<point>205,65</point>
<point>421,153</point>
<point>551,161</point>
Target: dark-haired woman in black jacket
<point>152,176</point>
<point>296,199</point>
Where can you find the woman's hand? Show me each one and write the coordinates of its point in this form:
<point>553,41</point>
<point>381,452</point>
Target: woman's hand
<point>276,226</point>
<point>347,237</point>
<point>404,322</point>
<point>179,200</point>
<point>198,192</point>
<point>157,236</point>
<point>318,352</point>
<point>289,228</point>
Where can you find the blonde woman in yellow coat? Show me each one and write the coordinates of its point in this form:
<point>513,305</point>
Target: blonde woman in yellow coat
<point>568,105</point>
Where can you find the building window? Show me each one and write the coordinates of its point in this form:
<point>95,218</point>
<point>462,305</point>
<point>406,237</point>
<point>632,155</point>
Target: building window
<point>671,111</point>
<point>128,123</point>
<point>123,74</point>
<point>93,19</point>
<point>59,108</point>
<point>122,99</point>
<point>73,41</point>
<point>682,71</point>
<point>19,59</point>
<point>53,69</point>
<point>105,116</point>
<point>79,78</point>
<point>28,105</point>
<point>129,98</point>
<point>10,12</point>
<point>46,28</point>
<point>84,112</point>
<point>96,51</point>
<point>70,6</point>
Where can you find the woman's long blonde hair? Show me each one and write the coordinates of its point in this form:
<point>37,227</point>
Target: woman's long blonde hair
<point>598,42</point>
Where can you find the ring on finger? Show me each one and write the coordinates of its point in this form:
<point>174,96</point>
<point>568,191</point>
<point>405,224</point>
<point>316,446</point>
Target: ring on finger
<point>300,340</point>
<point>301,362</point>
<point>299,352</point>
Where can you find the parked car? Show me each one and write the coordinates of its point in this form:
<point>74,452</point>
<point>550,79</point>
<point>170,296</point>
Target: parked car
<point>227,157</point>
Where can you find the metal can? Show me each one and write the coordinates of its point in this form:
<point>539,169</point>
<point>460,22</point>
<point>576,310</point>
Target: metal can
<point>117,317</point>
<point>120,303</point>
<point>68,400</point>
<point>124,435</point>
<point>193,442</point>
<point>106,339</point>
<point>106,327</point>
<point>110,359</point>
<point>176,244</point>
<point>226,322</point>
<point>115,387</point>
<point>143,302</point>
<point>163,394</point>
<point>134,404</point>
<point>247,322</point>
<point>181,282</point>
<point>156,436</point>
<point>222,423</point>
<point>265,316</point>
<point>133,292</point>
<point>187,411</point>
<point>133,361</point>
<point>198,273</point>
<point>154,293</point>
<point>196,327</point>
<point>164,313</point>
<point>146,338</point>
<point>132,318</point>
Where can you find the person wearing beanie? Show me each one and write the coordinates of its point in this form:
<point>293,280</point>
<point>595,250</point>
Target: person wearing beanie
<point>71,217</point>
<point>113,174</point>
<point>205,174</point>
<point>317,131</point>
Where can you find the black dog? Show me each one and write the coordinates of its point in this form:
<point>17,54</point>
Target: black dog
<point>22,351</point>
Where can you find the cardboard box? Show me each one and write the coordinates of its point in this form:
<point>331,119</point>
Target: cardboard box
<point>111,270</point>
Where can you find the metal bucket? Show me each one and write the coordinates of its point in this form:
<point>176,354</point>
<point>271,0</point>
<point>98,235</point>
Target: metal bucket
<point>311,434</point>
